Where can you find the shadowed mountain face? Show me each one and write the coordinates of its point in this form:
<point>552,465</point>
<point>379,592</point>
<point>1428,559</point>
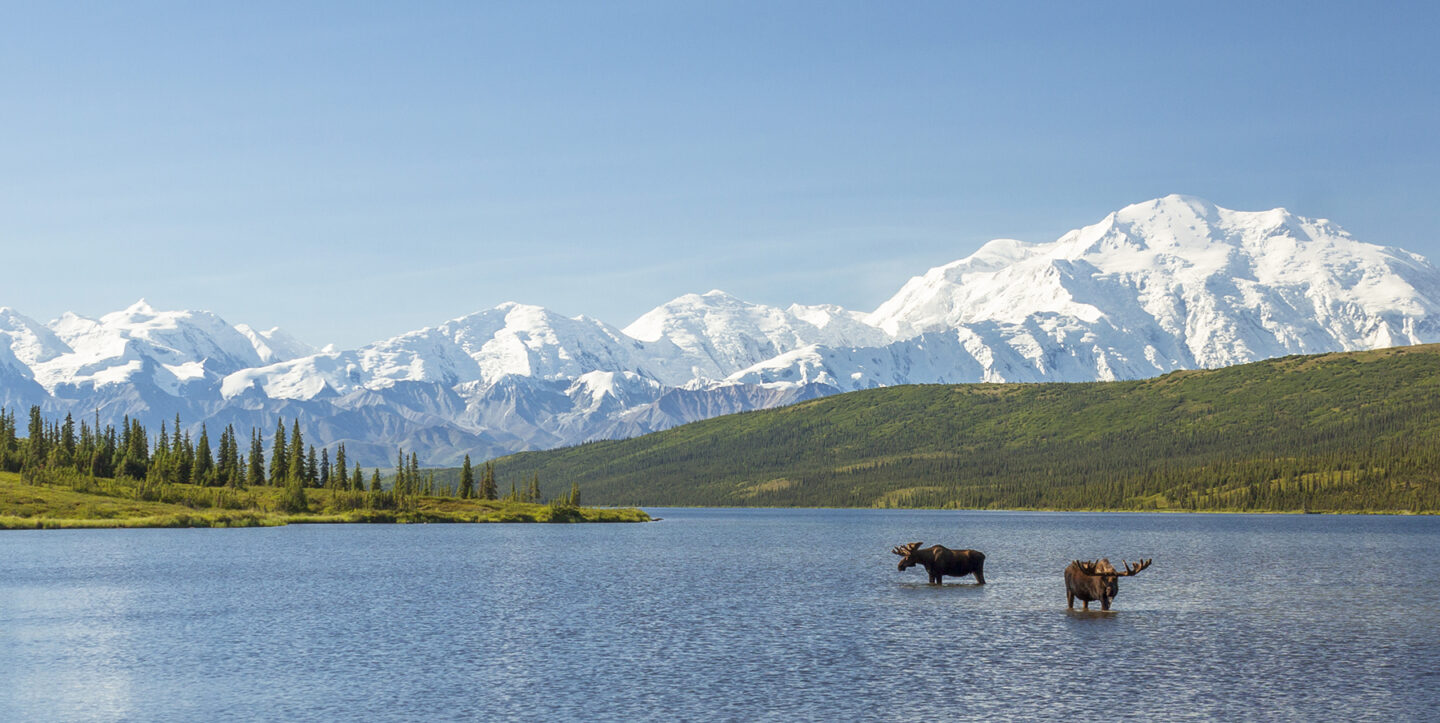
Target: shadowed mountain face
<point>1173,283</point>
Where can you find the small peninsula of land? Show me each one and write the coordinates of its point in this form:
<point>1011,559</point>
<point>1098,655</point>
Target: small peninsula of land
<point>68,474</point>
<point>81,502</point>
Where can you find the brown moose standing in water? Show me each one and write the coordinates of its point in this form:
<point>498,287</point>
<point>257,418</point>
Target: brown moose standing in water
<point>1096,580</point>
<point>941,561</point>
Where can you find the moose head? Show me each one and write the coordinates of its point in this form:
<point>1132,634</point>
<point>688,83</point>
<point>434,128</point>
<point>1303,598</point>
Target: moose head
<point>907,555</point>
<point>1096,580</point>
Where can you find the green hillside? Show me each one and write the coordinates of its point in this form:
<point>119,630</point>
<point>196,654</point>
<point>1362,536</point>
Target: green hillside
<point>1335,432</point>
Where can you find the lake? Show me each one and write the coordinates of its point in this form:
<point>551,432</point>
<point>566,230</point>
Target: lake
<point>724,615</point>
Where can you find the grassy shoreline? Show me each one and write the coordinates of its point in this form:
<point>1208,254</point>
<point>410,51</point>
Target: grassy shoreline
<point>92,504</point>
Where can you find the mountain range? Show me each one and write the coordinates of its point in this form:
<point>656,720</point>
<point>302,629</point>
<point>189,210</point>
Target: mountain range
<point>1172,283</point>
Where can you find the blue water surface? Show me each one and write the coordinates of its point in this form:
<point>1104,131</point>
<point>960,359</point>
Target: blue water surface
<point>724,615</point>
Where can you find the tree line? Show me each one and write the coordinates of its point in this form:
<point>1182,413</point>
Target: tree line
<point>174,457</point>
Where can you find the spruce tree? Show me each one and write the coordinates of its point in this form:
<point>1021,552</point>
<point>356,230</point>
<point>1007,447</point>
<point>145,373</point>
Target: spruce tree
<point>35,451</point>
<point>279,457</point>
<point>67,441</point>
<point>397,478</point>
<point>184,466</point>
<point>296,465</point>
<point>414,469</point>
<point>86,445</point>
<point>8,440</point>
<point>343,474</point>
<point>204,470</point>
<point>255,472</point>
<point>222,459</point>
<point>160,460</point>
<point>325,468</point>
<point>467,480</point>
<point>488,488</point>
<point>109,450</point>
<point>132,457</point>
<point>177,448</point>
<point>312,468</point>
<point>125,435</point>
<point>229,458</point>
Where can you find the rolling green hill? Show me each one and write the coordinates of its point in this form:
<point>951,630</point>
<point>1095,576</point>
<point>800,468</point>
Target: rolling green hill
<point>1335,432</point>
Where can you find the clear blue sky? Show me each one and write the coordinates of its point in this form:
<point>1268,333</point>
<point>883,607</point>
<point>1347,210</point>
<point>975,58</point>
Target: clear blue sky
<point>350,171</point>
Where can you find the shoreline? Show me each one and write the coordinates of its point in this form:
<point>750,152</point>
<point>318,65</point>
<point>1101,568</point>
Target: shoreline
<point>102,503</point>
<point>1088,510</point>
<point>252,520</point>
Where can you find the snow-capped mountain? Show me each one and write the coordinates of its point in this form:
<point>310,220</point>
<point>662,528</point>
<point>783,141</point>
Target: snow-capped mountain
<point>1220,287</point>
<point>715,335</point>
<point>1172,283</point>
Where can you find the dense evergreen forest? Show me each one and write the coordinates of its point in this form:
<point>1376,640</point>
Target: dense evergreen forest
<point>1336,432</point>
<point>177,469</point>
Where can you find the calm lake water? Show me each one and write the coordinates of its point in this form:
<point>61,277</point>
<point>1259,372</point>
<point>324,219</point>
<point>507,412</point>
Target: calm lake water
<point>724,615</point>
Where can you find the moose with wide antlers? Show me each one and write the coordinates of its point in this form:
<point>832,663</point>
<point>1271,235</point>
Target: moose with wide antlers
<point>940,561</point>
<point>1096,580</point>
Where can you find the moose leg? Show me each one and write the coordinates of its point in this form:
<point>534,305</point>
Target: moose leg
<point>1087,605</point>
<point>979,577</point>
<point>1104,603</point>
<point>1069,600</point>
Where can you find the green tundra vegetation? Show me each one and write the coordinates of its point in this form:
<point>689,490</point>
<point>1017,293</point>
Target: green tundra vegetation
<point>66,475</point>
<point>1346,432</point>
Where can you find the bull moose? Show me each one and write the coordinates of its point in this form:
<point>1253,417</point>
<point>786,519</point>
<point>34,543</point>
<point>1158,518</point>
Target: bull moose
<point>940,561</point>
<point>1096,580</point>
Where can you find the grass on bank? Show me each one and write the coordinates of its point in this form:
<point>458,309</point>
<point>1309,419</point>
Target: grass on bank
<point>73,501</point>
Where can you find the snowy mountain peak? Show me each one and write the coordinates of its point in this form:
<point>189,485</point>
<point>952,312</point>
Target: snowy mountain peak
<point>140,308</point>
<point>28,340</point>
<point>1175,204</point>
<point>275,345</point>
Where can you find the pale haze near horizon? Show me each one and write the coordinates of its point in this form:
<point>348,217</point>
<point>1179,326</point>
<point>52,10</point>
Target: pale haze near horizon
<point>352,173</point>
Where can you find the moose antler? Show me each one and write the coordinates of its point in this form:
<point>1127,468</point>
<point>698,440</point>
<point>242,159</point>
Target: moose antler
<point>904,550</point>
<point>1089,568</point>
<point>1132,570</point>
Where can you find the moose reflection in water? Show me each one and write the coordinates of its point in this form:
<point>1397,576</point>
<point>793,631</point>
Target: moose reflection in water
<point>1096,581</point>
<point>940,561</point>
